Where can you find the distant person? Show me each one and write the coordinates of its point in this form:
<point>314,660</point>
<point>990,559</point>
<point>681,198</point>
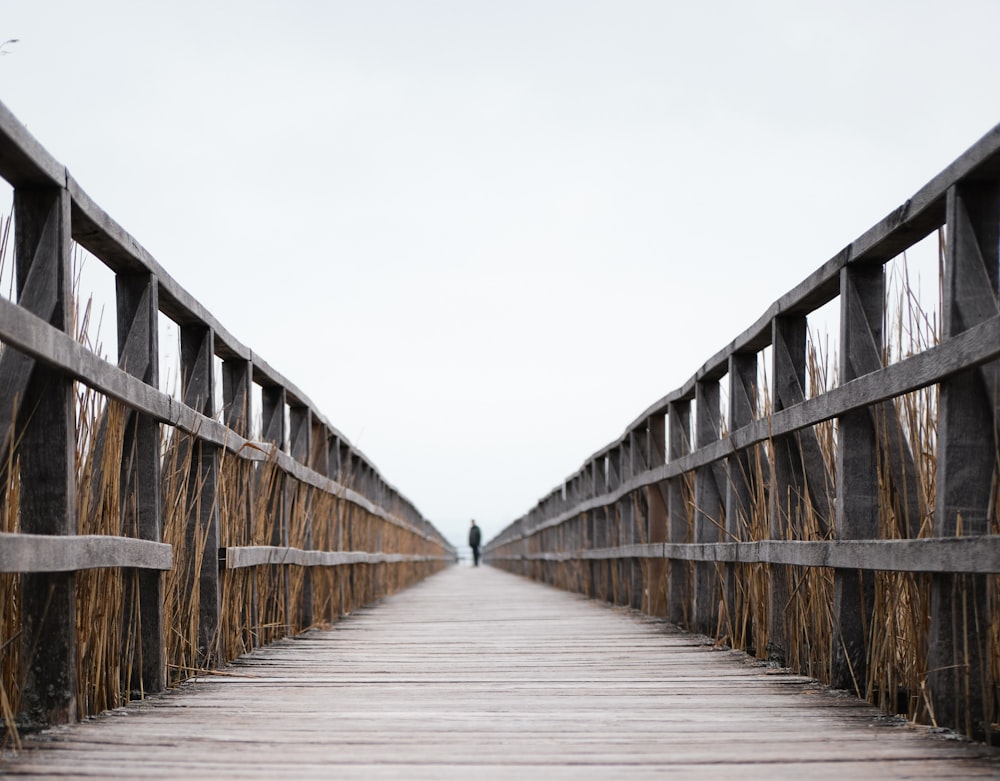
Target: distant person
<point>475,537</point>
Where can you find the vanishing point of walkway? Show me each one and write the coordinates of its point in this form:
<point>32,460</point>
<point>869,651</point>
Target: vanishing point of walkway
<point>476,674</point>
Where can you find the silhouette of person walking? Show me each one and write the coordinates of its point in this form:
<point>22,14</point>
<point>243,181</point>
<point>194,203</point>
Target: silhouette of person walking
<point>474,539</point>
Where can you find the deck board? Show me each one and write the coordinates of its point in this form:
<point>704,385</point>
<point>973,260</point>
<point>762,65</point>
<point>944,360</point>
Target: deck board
<point>475,673</point>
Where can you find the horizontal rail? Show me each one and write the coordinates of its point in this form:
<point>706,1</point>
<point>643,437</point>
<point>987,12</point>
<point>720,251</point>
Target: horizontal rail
<point>975,347</point>
<point>25,553</point>
<point>904,226</point>
<point>260,555</point>
<point>979,555</point>
<point>34,337</point>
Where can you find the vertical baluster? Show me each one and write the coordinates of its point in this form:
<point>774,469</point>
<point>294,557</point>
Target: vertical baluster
<point>142,508</point>
<point>862,297</point>
<point>273,400</point>
<point>237,401</point>
<point>709,488</point>
<point>197,352</point>
<point>46,446</point>
<point>967,463</point>
<point>300,437</point>
<point>656,529</point>
<point>739,478</point>
<point>679,584</point>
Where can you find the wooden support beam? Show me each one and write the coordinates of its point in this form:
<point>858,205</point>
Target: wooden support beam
<point>142,504</point>
<point>656,530</point>
<point>862,303</point>
<point>46,445</point>
<point>709,517</point>
<point>788,489</point>
<point>967,462</point>
<point>198,379</point>
<point>300,436</point>
<point>237,405</point>
<point>678,517</point>
<point>741,484</point>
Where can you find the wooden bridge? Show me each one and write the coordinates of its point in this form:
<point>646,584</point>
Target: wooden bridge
<point>480,674</point>
<point>834,528</point>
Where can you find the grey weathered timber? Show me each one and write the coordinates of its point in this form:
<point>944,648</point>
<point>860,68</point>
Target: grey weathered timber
<point>862,296</point>
<point>709,520</point>
<point>141,502</point>
<point>976,555</point>
<point>274,402</point>
<point>46,447</point>
<point>26,332</point>
<point>790,494</point>
<point>536,683</point>
<point>656,501</point>
<point>979,345</point>
<point>239,557</point>
<point>198,383</point>
<point>39,363</point>
<point>678,517</point>
<point>300,441</point>
<point>740,473</point>
<point>38,553</point>
<point>968,454</point>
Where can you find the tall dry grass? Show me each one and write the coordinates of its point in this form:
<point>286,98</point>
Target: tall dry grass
<point>10,584</point>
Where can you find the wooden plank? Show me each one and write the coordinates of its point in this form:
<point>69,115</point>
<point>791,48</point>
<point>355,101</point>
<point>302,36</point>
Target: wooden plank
<point>238,557</point>
<point>900,229</point>
<point>68,553</point>
<point>28,333</point>
<point>678,516</point>
<point>202,530</point>
<point>862,303</point>
<point>978,345</point>
<point>708,520</point>
<point>46,447</point>
<point>141,504</point>
<point>23,161</point>
<point>973,555</point>
<point>656,501</point>
<point>423,688</point>
<point>968,431</point>
<point>741,475</point>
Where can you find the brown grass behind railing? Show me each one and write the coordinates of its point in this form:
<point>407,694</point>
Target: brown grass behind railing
<point>898,635</point>
<point>10,584</point>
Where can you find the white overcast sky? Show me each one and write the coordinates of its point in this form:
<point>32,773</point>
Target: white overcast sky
<point>483,236</point>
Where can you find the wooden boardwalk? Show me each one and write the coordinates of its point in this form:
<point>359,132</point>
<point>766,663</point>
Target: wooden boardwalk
<point>477,674</point>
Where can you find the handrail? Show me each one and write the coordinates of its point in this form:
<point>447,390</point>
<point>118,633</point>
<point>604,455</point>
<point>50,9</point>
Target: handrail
<point>683,519</point>
<point>305,529</point>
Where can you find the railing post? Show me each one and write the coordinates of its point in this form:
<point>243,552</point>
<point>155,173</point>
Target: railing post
<point>142,508</point>
<point>614,568</point>
<point>635,520</point>
<point>967,459</point>
<point>237,402</point>
<point>739,480</point>
<point>656,518</point>
<point>197,372</point>
<point>788,495</point>
<point>862,304</point>
<point>272,400</point>
<point>600,569</point>
<point>46,445</point>
<point>300,422</point>
<point>708,520</point>
<point>679,584</point>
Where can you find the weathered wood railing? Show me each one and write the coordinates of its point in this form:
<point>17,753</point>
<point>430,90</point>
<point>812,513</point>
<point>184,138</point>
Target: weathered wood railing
<point>799,529</point>
<point>267,534</point>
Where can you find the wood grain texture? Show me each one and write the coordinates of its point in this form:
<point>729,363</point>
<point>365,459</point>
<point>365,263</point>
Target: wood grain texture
<point>941,554</point>
<point>68,553</point>
<point>477,674</point>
